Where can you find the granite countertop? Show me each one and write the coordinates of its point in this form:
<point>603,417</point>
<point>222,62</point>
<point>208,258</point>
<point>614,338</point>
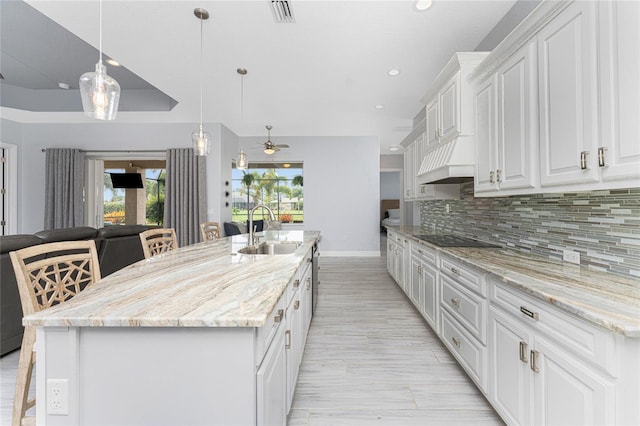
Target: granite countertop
<point>202,285</point>
<point>608,300</point>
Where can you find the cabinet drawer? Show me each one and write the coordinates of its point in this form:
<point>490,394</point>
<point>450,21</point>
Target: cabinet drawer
<point>424,253</point>
<point>468,308</point>
<point>471,278</point>
<point>470,353</point>
<point>588,341</point>
<point>265,334</point>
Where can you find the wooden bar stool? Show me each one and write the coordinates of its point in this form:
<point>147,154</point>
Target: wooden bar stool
<point>158,241</point>
<point>47,274</point>
<point>210,231</point>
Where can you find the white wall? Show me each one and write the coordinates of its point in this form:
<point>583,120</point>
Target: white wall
<point>390,186</point>
<point>341,188</point>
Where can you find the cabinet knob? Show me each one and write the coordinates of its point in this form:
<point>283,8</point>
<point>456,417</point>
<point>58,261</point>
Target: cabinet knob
<point>455,302</point>
<point>280,315</point>
<point>455,271</point>
<point>296,305</point>
<point>296,284</point>
<point>498,176</point>
<point>455,342</point>
<point>491,179</point>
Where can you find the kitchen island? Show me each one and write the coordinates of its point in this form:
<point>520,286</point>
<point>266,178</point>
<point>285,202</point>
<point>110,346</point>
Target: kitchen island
<point>199,335</point>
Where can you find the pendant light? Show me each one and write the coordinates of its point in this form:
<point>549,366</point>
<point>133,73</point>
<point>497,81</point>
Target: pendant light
<point>200,138</point>
<point>99,92</point>
<point>241,161</point>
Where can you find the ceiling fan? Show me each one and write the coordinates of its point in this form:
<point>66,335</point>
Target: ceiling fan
<point>269,147</point>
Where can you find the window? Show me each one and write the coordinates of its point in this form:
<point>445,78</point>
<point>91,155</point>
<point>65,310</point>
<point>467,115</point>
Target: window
<point>277,185</point>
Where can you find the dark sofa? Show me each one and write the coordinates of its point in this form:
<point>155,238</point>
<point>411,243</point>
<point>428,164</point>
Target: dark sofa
<point>117,247</point>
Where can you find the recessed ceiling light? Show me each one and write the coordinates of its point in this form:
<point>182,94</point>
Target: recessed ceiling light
<point>113,62</point>
<point>394,148</point>
<point>423,4</point>
<point>393,72</point>
<point>379,106</point>
<point>64,86</point>
<point>286,165</point>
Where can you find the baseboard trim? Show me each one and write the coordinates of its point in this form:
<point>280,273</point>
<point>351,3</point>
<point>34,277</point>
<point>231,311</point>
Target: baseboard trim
<point>350,253</point>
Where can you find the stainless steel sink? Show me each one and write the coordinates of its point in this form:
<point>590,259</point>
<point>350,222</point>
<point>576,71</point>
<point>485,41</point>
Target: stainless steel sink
<point>271,248</point>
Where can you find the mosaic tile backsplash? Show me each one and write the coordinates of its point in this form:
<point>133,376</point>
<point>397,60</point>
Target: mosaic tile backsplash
<point>603,226</point>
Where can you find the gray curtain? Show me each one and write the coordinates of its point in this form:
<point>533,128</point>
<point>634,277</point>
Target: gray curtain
<point>64,184</point>
<point>185,205</point>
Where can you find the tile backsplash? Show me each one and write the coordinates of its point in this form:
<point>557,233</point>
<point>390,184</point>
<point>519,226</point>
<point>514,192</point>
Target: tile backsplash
<point>603,226</point>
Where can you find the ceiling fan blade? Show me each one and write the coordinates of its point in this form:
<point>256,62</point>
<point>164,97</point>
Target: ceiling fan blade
<point>282,146</point>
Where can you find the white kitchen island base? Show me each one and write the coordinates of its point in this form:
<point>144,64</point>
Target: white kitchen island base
<point>150,376</point>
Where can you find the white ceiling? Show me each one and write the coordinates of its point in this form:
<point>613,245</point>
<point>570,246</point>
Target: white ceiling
<point>322,75</point>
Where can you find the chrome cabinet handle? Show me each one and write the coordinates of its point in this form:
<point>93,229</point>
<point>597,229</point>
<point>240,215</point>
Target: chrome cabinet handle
<point>523,352</point>
<point>498,175</point>
<point>455,342</point>
<point>308,283</point>
<point>296,284</point>
<point>287,339</point>
<point>491,180</point>
<point>583,159</point>
<point>529,313</point>
<point>455,302</point>
<point>280,315</point>
<point>601,158</point>
<point>534,361</point>
<point>296,305</point>
<point>455,271</point>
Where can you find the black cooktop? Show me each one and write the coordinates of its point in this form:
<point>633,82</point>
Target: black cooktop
<point>448,240</point>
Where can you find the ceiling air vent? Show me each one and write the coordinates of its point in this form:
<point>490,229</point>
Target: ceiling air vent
<point>282,12</point>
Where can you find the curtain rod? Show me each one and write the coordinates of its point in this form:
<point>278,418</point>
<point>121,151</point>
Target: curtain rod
<point>120,151</point>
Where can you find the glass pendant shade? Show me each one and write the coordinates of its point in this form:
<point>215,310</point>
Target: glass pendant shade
<point>201,140</point>
<point>241,161</point>
<point>269,151</point>
<point>100,94</point>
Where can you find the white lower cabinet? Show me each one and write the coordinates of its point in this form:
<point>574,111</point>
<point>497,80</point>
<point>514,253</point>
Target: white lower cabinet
<point>278,372</point>
<point>537,378</point>
<point>272,384</point>
<point>535,363</point>
<point>423,280</point>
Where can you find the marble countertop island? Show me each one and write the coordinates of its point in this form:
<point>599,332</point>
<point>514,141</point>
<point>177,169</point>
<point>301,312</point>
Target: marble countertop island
<point>208,284</point>
<point>608,300</point>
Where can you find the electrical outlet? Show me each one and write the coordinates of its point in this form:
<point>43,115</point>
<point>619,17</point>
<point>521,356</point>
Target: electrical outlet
<point>58,396</point>
<point>571,256</point>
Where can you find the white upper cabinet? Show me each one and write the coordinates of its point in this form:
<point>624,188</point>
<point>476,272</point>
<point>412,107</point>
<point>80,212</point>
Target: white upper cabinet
<point>486,140</point>
<point>619,151</point>
<point>506,112</point>
<point>433,126</point>
<point>516,119</point>
<point>568,109</point>
<point>449,108</point>
<point>567,102</point>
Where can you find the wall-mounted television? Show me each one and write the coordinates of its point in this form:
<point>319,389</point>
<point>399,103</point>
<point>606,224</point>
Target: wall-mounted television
<point>126,180</point>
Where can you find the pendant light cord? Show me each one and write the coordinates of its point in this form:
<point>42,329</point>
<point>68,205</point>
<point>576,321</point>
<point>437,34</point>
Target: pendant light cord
<point>201,74</point>
<point>100,58</point>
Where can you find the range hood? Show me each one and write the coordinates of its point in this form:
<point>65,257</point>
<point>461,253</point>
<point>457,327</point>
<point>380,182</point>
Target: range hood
<point>450,162</point>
